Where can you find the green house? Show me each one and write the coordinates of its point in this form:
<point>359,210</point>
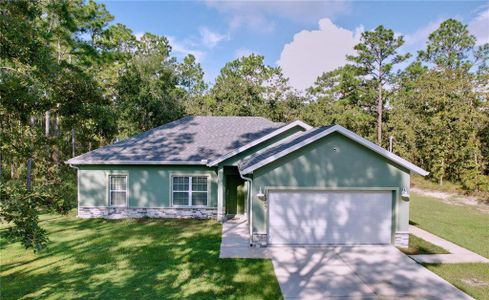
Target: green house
<point>292,183</point>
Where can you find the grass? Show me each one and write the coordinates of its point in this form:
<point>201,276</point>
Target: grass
<point>419,246</point>
<point>473,279</point>
<point>132,259</point>
<point>175,259</point>
<point>463,225</point>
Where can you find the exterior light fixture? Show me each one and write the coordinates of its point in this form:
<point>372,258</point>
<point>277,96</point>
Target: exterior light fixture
<point>261,196</point>
<point>404,194</point>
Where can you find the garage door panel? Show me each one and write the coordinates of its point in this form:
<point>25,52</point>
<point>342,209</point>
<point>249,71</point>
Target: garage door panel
<point>330,217</point>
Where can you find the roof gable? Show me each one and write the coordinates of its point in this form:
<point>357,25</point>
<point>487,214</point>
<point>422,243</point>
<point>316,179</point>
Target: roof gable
<point>259,141</point>
<point>298,141</point>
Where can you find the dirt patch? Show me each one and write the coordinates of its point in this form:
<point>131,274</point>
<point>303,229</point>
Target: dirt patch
<point>453,199</point>
<point>474,282</point>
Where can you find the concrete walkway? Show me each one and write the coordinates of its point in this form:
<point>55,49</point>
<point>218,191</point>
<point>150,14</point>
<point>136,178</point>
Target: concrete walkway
<point>235,241</point>
<point>457,254</point>
<point>340,272</point>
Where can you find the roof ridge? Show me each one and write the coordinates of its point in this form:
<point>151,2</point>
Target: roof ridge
<point>203,116</point>
<point>282,128</point>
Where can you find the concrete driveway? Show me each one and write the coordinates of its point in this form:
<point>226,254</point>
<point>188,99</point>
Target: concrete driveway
<point>360,272</point>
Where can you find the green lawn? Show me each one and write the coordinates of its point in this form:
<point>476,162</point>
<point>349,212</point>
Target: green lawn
<point>174,259</point>
<point>473,279</point>
<point>419,246</point>
<point>463,225</point>
<point>131,259</point>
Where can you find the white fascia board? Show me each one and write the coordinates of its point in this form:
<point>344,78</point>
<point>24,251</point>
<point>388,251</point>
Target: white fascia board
<point>337,128</point>
<point>302,124</point>
<point>272,158</point>
<point>133,162</point>
<point>258,141</point>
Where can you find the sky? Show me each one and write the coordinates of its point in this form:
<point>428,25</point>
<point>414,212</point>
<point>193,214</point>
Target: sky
<point>304,38</point>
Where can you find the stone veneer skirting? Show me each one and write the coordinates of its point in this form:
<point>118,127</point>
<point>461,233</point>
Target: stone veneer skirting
<point>127,212</point>
<point>401,239</point>
<point>260,239</point>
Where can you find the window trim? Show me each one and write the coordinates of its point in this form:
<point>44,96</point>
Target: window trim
<point>109,190</point>
<point>207,176</point>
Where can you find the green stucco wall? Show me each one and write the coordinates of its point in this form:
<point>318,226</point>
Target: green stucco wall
<point>148,186</point>
<point>317,165</point>
<point>228,166</point>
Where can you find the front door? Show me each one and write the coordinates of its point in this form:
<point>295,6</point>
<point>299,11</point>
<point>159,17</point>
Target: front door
<point>235,195</point>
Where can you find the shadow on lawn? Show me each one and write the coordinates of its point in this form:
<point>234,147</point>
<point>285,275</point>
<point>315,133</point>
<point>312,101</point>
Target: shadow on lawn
<point>136,259</point>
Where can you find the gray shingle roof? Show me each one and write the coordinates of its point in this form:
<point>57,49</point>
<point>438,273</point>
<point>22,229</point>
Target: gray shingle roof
<point>187,140</point>
<point>280,146</point>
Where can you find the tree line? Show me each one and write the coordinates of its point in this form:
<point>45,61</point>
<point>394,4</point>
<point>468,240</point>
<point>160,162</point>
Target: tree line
<point>71,81</point>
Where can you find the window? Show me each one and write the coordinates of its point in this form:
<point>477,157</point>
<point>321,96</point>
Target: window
<point>189,190</point>
<point>118,190</point>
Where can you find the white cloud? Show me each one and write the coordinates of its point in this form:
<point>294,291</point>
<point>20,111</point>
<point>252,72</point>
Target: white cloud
<point>183,48</point>
<point>313,52</point>
<point>242,52</point>
<point>210,38</point>
<point>479,26</point>
<point>416,41</point>
<point>419,37</point>
<point>252,21</point>
<point>139,35</point>
<point>197,45</point>
<point>257,14</point>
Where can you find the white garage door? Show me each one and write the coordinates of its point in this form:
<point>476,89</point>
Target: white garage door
<point>330,217</point>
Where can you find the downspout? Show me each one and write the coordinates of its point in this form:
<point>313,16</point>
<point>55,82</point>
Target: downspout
<point>250,205</point>
<point>74,167</point>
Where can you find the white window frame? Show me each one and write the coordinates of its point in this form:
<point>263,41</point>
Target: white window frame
<point>189,176</point>
<point>109,188</point>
